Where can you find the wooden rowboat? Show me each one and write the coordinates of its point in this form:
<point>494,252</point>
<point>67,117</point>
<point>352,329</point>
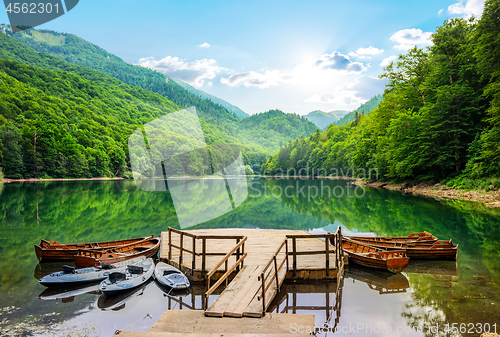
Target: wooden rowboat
<point>394,261</point>
<point>424,237</point>
<point>53,251</point>
<point>438,250</point>
<point>90,258</point>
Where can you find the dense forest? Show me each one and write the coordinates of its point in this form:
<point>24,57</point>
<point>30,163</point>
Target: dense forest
<point>63,120</point>
<point>439,118</point>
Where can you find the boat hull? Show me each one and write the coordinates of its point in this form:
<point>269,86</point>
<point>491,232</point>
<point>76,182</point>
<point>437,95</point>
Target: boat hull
<point>88,258</point>
<point>49,251</point>
<point>175,279</point>
<point>108,287</point>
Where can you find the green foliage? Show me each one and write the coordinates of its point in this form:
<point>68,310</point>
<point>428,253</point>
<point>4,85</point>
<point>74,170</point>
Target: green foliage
<point>431,122</point>
<point>231,108</point>
<point>366,108</point>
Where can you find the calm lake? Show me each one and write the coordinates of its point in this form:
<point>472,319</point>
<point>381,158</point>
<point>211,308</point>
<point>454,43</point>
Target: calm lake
<point>426,297</point>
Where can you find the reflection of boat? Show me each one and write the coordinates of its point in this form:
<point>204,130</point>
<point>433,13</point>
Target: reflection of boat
<point>68,293</point>
<point>90,258</point>
<point>170,276</point>
<point>70,275</point>
<point>424,237</point>
<point>369,256</point>
<point>53,251</point>
<point>116,301</point>
<point>134,276</point>
<point>381,281</point>
<point>438,250</point>
<point>434,268</point>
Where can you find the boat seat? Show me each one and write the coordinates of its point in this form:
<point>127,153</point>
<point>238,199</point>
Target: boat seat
<point>117,276</point>
<point>135,269</point>
<point>168,272</point>
<point>106,266</point>
<point>69,270</point>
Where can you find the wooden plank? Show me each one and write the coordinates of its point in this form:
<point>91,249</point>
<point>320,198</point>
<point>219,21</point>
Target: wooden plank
<point>220,305</point>
<point>245,295</point>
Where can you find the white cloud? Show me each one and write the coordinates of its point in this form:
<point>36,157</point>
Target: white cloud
<point>205,45</point>
<point>194,73</point>
<point>408,38</point>
<point>364,87</point>
<point>440,11</point>
<point>255,79</point>
<point>388,60</point>
<point>364,57</point>
<point>339,62</point>
<point>369,51</point>
<point>470,8</point>
<point>325,98</point>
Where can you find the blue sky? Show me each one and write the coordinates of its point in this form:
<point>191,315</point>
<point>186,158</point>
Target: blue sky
<point>296,56</point>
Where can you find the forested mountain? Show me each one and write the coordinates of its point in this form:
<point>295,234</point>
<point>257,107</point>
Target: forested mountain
<point>231,108</point>
<point>323,119</point>
<point>439,117</point>
<point>365,108</point>
<point>275,126</point>
<point>50,104</point>
<point>76,50</point>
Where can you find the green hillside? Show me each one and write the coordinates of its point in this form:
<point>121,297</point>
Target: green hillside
<point>364,108</point>
<point>76,50</point>
<point>23,124</point>
<point>231,108</point>
<point>323,119</point>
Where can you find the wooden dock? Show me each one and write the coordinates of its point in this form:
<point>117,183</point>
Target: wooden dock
<point>258,259</point>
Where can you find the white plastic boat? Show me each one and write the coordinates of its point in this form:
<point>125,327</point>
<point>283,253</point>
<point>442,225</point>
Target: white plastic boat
<point>133,276</point>
<point>70,275</point>
<point>170,276</point>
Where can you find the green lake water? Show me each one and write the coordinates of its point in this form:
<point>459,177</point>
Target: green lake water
<point>428,296</point>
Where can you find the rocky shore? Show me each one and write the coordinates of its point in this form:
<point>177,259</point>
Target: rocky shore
<point>438,191</point>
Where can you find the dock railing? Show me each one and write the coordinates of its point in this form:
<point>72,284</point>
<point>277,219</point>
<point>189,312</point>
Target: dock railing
<point>195,241</point>
<point>330,238</point>
<point>273,275</point>
<point>239,263</point>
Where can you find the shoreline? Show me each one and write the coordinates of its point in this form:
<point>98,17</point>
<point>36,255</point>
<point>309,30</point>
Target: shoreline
<point>437,191</point>
<point>34,180</point>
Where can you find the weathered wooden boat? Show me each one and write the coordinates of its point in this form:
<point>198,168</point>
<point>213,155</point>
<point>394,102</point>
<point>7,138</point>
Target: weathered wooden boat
<point>70,275</point>
<point>424,237</point>
<point>366,255</point>
<point>171,277</point>
<point>90,258</point>
<point>54,251</point>
<point>134,276</point>
<point>438,250</point>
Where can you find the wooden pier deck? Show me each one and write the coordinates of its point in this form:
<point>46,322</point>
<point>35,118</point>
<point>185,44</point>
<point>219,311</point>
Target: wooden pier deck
<point>260,259</point>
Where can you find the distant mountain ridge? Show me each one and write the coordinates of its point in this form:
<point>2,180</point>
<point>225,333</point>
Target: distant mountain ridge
<point>231,108</point>
<point>371,104</point>
<point>323,119</point>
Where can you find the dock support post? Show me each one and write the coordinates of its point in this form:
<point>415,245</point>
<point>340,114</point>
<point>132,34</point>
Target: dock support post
<point>294,252</point>
<point>286,255</point>
<point>203,255</point>
<point>263,294</point>
<point>237,257</point>
<point>327,249</point>
<point>276,272</point>
<point>193,263</point>
<point>181,245</point>
<point>169,245</point>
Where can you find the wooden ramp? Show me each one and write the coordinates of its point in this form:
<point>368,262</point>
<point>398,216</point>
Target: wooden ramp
<point>260,258</point>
